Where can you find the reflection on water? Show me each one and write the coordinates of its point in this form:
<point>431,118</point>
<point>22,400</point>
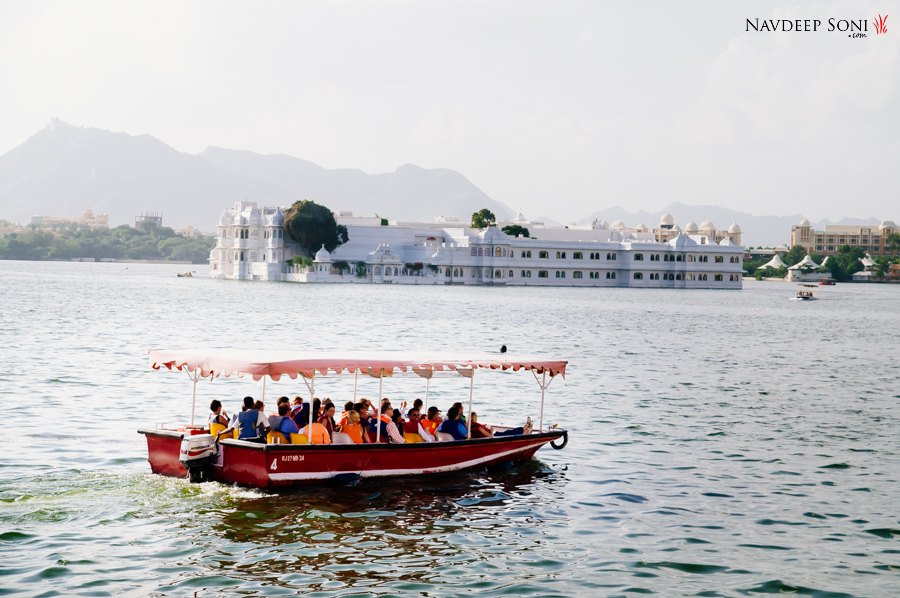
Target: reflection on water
<point>720,443</point>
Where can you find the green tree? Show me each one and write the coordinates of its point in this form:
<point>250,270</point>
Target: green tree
<point>483,218</point>
<point>514,230</point>
<point>892,244</point>
<point>312,225</point>
<point>846,263</point>
<point>795,254</point>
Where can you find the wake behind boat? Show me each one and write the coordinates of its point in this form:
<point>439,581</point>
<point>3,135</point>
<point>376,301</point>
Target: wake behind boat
<point>191,451</point>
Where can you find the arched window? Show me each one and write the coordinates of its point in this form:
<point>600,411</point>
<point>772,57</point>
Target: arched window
<point>718,278</point>
<point>497,252</point>
<point>576,274</point>
<point>542,274</point>
<point>719,259</point>
<point>498,274</point>
<point>638,275</point>
<point>638,257</point>
<point>511,274</point>
<point>678,277</point>
<point>577,256</point>
<point>543,255</point>
<point>679,258</point>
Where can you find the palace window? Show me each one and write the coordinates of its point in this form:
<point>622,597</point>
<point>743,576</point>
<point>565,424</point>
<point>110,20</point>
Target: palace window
<point>560,274</point>
<point>639,276</point>
<point>543,274</point>
<point>611,256</point>
<point>560,255</point>
<point>611,275</point>
<point>543,255</point>
<point>576,274</point>
<point>639,257</point>
<point>718,278</point>
<point>719,259</point>
<point>577,256</point>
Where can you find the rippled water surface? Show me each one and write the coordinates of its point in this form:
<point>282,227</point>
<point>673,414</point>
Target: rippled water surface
<point>722,443</point>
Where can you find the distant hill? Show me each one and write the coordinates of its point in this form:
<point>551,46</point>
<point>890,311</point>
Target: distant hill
<point>63,170</point>
<point>757,230</point>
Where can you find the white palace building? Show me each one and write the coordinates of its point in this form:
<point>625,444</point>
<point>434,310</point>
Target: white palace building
<point>252,245</point>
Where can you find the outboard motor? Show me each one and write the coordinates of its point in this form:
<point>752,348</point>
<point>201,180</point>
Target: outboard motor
<point>198,453</point>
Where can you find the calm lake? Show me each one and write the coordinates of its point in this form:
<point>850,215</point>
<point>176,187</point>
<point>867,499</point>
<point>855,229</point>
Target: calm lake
<point>722,443</point>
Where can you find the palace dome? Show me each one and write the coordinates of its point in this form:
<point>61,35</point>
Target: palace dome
<point>805,222</point>
<point>666,220</point>
<point>691,227</point>
<point>888,224</point>
<point>734,228</point>
<point>707,225</point>
<point>322,255</point>
<point>618,224</point>
<point>278,218</point>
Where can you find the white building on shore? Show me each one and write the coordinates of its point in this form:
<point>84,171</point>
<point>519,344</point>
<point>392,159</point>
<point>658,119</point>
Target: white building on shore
<point>252,245</point>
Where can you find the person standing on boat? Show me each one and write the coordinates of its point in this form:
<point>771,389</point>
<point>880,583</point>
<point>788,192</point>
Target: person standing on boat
<point>453,426</point>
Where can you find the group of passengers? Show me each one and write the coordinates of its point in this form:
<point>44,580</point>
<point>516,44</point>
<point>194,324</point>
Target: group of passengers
<point>358,423</point>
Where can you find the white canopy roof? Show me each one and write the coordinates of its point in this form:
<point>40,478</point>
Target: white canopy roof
<point>225,362</point>
<point>775,262</point>
<point>806,262</point>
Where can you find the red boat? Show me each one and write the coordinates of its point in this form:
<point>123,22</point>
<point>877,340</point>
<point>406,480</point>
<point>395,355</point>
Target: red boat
<point>190,451</point>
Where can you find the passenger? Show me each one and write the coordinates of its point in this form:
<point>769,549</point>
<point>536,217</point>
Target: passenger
<point>389,431</point>
<point>480,430</point>
<point>287,425</point>
<point>300,413</point>
<point>218,415</point>
<point>251,422</point>
<point>353,429</point>
<point>414,428</point>
<point>462,415</point>
<point>453,426</point>
<point>275,419</point>
<point>348,407</point>
<point>431,423</point>
<point>417,405</point>
<point>398,420</point>
<point>327,418</point>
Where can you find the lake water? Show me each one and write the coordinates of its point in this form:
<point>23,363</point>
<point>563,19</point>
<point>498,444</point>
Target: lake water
<point>722,443</point>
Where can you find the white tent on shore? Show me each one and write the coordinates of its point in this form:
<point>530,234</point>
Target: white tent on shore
<point>806,262</point>
<point>774,263</point>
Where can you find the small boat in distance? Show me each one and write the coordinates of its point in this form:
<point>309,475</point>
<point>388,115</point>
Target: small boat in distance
<point>804,293</point>
<point>185,274</point>
<point>826,282</point>
<point>192,451</point>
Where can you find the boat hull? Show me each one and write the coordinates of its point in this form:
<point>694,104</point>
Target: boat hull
<point>275,466</point>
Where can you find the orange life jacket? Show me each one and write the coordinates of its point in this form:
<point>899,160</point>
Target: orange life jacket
<point>354,431</point>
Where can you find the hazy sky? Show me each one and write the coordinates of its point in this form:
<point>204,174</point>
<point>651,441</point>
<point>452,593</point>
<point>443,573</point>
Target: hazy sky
<point>556,108</point>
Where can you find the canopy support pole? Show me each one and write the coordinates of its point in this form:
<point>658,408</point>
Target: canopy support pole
<point>544,384</point>
<point>312,387</point>
<point>194,395</point>
<point>471,387</point>
<point>380,398</point>
<point>355,381</point>
<point>425,408</point>
<point>264,390</point>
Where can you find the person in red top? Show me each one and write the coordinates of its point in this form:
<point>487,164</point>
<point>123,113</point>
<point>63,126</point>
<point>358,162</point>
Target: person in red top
<point>327,418</point>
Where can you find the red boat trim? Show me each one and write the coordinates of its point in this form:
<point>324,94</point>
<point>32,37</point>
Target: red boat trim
<point>397,472</point>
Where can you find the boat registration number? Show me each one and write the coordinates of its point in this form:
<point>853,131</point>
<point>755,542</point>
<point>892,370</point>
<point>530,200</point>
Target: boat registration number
<point>285,459</point>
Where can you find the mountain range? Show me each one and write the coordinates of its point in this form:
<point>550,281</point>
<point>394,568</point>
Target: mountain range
<point>63,169</point>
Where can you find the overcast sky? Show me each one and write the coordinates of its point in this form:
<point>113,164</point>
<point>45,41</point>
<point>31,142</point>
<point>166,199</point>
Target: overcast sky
<point>555,108</point>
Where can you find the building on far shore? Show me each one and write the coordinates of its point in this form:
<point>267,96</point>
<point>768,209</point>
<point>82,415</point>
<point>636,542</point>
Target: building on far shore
<point>871,239</point>
<point>87,218</point>
<point>251,245</point>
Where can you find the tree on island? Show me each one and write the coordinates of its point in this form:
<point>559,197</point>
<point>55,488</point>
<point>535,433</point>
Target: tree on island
<point>893,243</point>
<point>846,263</point>
<point>312,226</point>
<point>483,218</point>
<point>794,255</point>
<point>514,230</point>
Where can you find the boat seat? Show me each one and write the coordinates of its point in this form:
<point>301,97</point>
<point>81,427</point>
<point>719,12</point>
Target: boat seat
<point>341,438</point>
<point>299,438</point>
<point>412,438</point>
<point>319,434</point>
<point>276,438</point>
<point>443,437</point>
<point>214,429</point>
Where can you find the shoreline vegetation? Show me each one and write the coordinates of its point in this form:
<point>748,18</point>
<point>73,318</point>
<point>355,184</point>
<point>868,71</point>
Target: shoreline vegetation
<point>146,242</point>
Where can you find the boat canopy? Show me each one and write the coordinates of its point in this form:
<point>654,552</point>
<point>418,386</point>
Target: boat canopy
<point>228,362</point>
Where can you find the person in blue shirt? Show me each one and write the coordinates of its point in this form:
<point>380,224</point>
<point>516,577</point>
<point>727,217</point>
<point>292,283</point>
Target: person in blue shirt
<point>453,426</point>
<point>287,425</point>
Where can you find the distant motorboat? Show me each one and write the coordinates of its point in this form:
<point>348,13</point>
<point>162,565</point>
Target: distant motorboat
<point>804,293</point>
<point>826,282</point>
<point>185,275</point>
